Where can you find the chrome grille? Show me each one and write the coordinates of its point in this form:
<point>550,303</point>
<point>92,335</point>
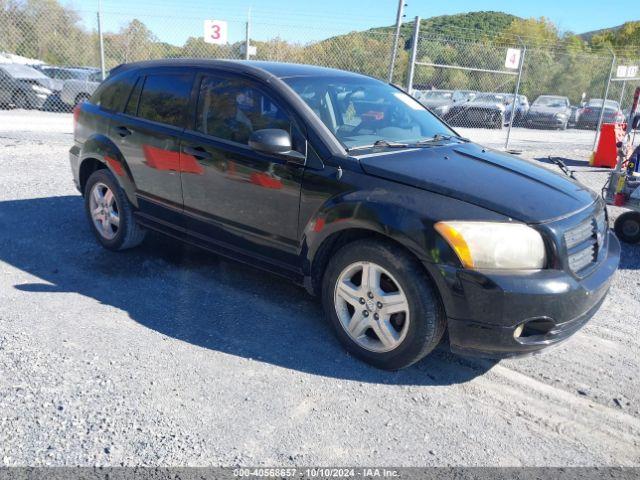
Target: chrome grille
<point>583,241</point>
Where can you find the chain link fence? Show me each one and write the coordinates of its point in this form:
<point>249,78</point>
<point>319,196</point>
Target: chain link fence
<point>50,60</point>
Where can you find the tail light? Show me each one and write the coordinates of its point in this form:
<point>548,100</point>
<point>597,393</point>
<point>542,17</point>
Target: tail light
<point>586,110</point>
<point>76,115</point>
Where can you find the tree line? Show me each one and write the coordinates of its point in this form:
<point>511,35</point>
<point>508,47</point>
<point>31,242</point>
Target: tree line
<point>555,62</point>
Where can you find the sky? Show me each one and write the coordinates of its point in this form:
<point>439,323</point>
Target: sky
<point>174,21</point>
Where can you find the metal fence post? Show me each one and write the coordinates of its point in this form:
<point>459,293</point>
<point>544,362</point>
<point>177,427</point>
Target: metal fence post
<point>604,99</point>
<point>515,95</point>
<point>624,84</point>
<point>247,36</point>
<point>102,67</point>
<point>396,38</point>
<point>414,53</point>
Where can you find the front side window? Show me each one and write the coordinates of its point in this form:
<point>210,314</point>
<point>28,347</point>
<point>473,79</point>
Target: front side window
<point>360,111</point>
<point>232,109</point>
<point>164,98</point>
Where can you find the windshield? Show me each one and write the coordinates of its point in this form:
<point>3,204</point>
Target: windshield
<point>550,102</point>
<point>597,102</point>
<point>490,98</point>
<point>66,73</point>
<point>22,71</point>
<point>438,95</point>
<point>463,95</point>
<point>360,111</point>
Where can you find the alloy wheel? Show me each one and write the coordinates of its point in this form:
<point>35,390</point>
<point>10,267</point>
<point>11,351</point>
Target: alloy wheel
<point>372,307</point>
<point>104,211</point>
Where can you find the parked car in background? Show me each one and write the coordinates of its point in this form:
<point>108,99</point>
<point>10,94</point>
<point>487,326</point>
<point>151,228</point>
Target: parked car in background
<point>23,87</point>
<point>59,75</point>
<point>479,110</point>
<point>590,113</point>
<point>574,116</point>
<point>521,107</point>
<point>76,91</point>
<point>439,101</point>
<point>549,111</point>
<point>353,189</point>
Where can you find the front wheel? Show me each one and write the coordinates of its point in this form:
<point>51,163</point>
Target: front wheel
<point>382,305</point>
<point>627,227</point>
<point>110,213</point>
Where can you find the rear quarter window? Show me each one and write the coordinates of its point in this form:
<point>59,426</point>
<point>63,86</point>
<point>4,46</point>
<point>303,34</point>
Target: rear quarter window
<point>164,98</point>
<point>113,93</point>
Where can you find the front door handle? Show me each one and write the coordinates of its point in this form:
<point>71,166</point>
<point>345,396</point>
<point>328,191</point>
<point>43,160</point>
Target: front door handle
<point>197,152</point>
<point>123,131</point>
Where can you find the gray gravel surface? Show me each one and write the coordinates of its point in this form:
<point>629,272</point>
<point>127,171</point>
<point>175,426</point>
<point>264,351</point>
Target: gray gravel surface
<point>166,355</point>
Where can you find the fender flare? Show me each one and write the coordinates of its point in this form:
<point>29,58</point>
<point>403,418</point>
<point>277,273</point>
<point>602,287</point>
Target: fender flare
<point>99,147</point>
<point>368,211</point>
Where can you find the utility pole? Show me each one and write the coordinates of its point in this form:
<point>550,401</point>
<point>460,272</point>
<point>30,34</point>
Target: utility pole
<point>102,68</point>
<point>396,38</point>
<point>247,35</point>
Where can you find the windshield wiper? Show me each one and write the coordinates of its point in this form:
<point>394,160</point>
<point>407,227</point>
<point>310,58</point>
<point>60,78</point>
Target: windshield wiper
<point>438,137</point>
<point>422,143</point>
<point>387,143</point>
<point>380,143</point>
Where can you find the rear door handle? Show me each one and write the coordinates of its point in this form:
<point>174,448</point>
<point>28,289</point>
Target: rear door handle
<point>123,131</point>
<point>197,152</point>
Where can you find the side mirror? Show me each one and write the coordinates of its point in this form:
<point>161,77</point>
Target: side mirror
<point>274,141</point>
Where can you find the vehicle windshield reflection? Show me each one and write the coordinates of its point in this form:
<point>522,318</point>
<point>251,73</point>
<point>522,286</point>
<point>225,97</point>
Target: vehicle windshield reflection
<point>361,112</point>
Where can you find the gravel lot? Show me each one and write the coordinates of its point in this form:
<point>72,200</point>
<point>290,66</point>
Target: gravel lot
<point>170,356</point>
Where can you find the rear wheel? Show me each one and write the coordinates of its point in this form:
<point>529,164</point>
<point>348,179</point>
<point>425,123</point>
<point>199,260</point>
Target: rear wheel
<point>110,213</point>
<point>382,304</point>
<point>627,227</point>
<point>20,100</point>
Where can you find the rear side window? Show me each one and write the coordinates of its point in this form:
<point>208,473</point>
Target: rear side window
<point>115,93</point>
<point>132,104</point>
<point>165,98</point>
<point>232,109</point>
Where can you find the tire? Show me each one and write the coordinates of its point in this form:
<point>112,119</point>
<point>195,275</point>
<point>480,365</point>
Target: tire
<point>20,100</point>
<point>127,233</point>
<point>627,227</point>
<point>417,329</point>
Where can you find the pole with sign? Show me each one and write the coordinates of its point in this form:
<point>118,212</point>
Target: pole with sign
<point>514,55</point>
<point>513,58</point>
<point>216,32</point>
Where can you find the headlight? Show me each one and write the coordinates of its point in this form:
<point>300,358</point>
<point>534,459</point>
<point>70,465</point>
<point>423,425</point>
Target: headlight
<point>40,89</point>
<point>561,116</point>
<point>494,245</point>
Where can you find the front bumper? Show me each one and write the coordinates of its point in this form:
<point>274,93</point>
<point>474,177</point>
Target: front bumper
<point>545,122</point>
<point>485,309</point>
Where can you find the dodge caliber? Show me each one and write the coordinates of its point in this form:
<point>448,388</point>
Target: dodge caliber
<point>348,186</point>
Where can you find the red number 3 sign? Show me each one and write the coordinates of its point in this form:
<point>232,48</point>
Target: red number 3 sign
<point>215,31</point>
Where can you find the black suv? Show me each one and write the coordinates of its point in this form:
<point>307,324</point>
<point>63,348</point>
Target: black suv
<point>353,189</point>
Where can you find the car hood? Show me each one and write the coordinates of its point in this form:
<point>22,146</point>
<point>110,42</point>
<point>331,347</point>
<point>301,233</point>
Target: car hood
<point>546,110</point>
<point>490,179</point>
